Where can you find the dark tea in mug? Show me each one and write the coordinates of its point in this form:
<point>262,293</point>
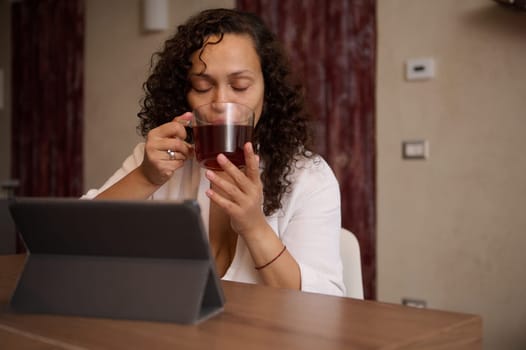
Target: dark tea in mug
<point>222,127</point>
<point>227,139</point>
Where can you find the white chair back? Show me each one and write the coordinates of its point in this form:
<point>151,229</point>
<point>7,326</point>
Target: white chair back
<point>352,266</point>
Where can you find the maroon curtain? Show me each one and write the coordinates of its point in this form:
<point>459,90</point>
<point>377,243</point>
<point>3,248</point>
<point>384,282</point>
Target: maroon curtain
<point>332,46</point>
<point>47,86</point>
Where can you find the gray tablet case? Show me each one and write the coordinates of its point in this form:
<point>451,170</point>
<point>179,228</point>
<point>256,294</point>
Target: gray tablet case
<point>136,260</point>
<point>7,229</point>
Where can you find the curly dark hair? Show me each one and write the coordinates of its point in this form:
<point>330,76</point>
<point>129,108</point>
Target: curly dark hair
<point>282,133</point>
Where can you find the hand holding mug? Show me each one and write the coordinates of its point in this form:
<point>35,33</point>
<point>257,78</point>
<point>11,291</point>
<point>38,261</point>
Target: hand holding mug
<point>240,193</point>
<point>165,150</point>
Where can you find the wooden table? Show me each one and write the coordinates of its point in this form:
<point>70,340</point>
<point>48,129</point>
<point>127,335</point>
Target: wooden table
<point>255,317</point>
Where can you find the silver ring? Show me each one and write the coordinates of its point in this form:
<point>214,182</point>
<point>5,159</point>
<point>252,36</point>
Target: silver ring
<point>171,154</point>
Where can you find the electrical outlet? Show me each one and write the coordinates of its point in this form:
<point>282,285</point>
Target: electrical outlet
<point>416,149</point>
<point>418,303</point>
<point>420,69</point>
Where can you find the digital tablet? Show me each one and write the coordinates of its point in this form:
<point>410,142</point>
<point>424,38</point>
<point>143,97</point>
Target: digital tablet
<point>147,260</point>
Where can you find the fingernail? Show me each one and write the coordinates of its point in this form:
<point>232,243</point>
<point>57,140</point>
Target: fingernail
<point>221,159</point>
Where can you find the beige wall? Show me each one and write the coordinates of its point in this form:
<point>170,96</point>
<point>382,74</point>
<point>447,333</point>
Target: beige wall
<point>117,62</point>
<point>452,229</point>
<point>5,112</point>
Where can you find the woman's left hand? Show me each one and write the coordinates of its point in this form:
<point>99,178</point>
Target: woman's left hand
<point>240,193</point>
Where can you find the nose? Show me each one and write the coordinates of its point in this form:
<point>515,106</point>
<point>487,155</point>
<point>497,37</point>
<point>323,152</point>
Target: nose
<point>222,93</point>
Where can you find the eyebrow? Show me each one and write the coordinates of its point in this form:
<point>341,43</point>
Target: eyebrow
<point>233,74</point>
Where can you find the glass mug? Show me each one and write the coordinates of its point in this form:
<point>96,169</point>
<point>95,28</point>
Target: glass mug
<point>221,127</point>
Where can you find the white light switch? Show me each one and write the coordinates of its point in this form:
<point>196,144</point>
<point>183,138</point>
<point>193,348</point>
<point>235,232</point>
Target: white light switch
<point>420,69</point>
<point>417,149</point>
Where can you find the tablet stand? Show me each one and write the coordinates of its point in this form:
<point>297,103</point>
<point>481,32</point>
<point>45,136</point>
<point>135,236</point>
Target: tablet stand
<point>82,271</point>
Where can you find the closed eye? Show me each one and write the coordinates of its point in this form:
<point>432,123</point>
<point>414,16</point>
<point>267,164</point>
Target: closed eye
<point>240,84</point>
<point>201,84</point>
<point>239,88</point>
<point>201,90</point>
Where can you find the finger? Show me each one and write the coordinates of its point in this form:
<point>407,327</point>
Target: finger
<point>224,185</point>
<point>162,148</point>
<point>227,205</point>
<point>185,119</point>
<point>251,162</point>
<point>173,155</point>
<point>172,129</point>
<point>176,145</point>
<point>233,171</point>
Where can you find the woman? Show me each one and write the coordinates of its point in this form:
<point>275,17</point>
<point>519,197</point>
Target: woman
<point>274,222</point>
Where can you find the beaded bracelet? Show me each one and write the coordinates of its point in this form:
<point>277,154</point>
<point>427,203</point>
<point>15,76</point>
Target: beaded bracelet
<point>271,261</point>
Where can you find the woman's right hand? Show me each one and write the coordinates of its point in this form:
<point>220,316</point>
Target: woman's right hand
<point>157,166</point>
